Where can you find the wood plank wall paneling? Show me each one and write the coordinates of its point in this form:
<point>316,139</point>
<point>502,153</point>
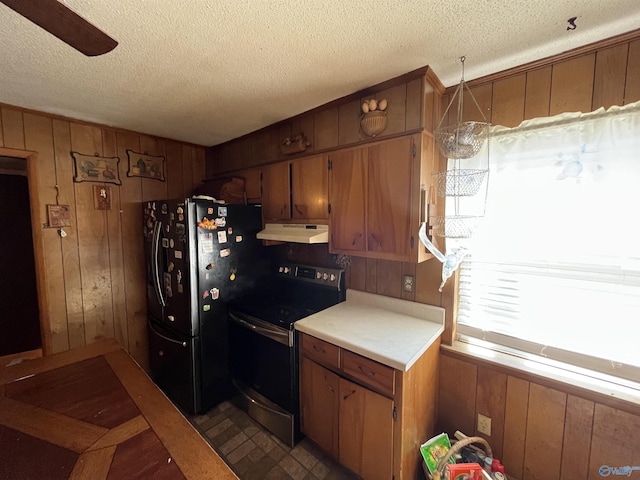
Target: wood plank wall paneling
<point>546,434</point>
<point>116,248</point>
<point>326,128</point>
<point>537,93</point>
<point>632,83</point>
<point>70,252</point>
<point>545,428</point>
<point>491,402</point>
<point>572,85</point>
<point>415,108</point>
<point>508,101</point>
<point>577,439</point>
<point>515,425</point>
<point>610,75</point>
<point>457,395</point>
<point>349,123</point>
<point>397,108</point>
<point>93,245</point>
<point>12,128</point>
<point>174,170</point>
<point>615,441</point>
<point>474,110</point>
<point>95,276</point>
<point>134,275</point>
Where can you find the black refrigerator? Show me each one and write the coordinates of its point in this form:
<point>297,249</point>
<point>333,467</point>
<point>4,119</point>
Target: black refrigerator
<point>200,255</point>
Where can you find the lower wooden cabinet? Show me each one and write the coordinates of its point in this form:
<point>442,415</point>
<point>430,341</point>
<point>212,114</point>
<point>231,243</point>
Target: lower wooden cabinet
<point>320,405</point>
<point>365,435</point>
<point>368,416</point>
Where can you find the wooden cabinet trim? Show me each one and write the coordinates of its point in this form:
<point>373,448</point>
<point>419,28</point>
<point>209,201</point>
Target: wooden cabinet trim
<point>369,373</point>
<point>320,351</point>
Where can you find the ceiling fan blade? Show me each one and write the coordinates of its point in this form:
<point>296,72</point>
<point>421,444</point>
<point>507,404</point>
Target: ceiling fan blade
<point>62,22</point>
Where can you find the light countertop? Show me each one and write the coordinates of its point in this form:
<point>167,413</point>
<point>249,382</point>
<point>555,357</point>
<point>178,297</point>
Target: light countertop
<point>388,330</point>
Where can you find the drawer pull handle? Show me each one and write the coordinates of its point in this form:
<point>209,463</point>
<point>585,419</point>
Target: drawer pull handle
<point>348,394</point>
<point>318,349</point>
<point>370,372</point>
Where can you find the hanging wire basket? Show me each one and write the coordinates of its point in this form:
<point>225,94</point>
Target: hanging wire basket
<point>462,140</point>
<point>454,226</point>
<point>460,183</point>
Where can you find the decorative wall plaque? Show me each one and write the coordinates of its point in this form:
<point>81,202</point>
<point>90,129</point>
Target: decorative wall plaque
<point>145,165</point>
<point>58,216</point>
<point>94,168</point>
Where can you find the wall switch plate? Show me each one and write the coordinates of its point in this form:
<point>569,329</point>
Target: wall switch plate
<point>407,283</point>
<point>484,425</point>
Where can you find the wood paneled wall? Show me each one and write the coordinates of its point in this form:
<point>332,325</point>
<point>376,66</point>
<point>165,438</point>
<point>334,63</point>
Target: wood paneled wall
<point>542,432</point>
<point>95,276</point>
<point>538,431</point>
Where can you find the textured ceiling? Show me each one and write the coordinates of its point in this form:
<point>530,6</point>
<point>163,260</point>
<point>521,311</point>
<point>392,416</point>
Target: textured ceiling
<point>209,71</point>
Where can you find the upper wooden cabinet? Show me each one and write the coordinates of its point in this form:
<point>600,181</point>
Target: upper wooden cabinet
<point>310,188</point>
<point>253,184</point>
<point>296,191</point>
<point>348,189</point>
<point>377,198</point>
<point>276,200</point>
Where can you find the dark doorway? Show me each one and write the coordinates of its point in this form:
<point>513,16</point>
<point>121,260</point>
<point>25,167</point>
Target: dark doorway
<point>19,314</point>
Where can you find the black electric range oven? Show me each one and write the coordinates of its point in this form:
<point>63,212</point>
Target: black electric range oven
<point>263,345</point>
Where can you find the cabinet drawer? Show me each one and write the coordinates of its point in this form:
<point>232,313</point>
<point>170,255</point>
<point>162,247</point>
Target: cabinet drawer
<point>320,351</point>
<point>369,372</point>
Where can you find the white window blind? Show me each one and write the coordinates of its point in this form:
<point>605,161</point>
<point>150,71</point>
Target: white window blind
<point>554,267</point>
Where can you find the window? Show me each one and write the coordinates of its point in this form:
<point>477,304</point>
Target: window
<point>554,268</point>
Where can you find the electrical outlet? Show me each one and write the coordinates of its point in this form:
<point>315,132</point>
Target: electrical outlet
<point>407,283</point>
<point>484,425</point>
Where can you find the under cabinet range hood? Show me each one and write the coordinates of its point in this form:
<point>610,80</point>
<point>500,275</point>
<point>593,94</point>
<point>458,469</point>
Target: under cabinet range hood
<point>297,233</point>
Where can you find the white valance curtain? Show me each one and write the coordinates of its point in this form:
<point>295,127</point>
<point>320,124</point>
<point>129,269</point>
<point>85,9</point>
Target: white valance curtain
<point>554,268</point>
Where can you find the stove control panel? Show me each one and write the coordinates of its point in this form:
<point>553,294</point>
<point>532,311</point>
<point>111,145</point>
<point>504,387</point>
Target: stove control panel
<point>316,275</point>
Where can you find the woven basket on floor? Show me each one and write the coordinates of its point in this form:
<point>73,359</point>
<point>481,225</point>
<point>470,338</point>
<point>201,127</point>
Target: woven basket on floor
<point>455,448</point>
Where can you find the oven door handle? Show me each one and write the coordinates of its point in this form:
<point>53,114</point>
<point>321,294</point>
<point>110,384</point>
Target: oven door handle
<point>279,335</point>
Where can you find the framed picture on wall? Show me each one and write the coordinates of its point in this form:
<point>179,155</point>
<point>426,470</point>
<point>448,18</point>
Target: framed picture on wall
<point>145,165</point>
<point>58,216</point>
<point>93,168</point>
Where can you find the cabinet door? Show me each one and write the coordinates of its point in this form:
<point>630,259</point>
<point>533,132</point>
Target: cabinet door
<point>310,187</point>
<point>276,203</point>
<point>365,432</point>
<point>253,184</point>
<point>348,182</point>
<point>389,197</point>
<point>319,405</point>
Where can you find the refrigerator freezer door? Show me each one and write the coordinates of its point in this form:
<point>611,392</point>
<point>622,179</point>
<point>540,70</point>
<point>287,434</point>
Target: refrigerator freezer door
<point>175,366</point>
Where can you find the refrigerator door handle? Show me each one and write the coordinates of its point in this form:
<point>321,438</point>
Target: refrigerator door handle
<point>155,270</point>
<point>156,332</point>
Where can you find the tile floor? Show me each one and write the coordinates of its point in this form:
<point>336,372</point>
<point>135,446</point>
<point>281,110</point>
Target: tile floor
<point>253,453</point>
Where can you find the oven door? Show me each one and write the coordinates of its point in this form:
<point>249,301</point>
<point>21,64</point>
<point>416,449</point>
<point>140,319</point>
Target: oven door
<point>262,357</point>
